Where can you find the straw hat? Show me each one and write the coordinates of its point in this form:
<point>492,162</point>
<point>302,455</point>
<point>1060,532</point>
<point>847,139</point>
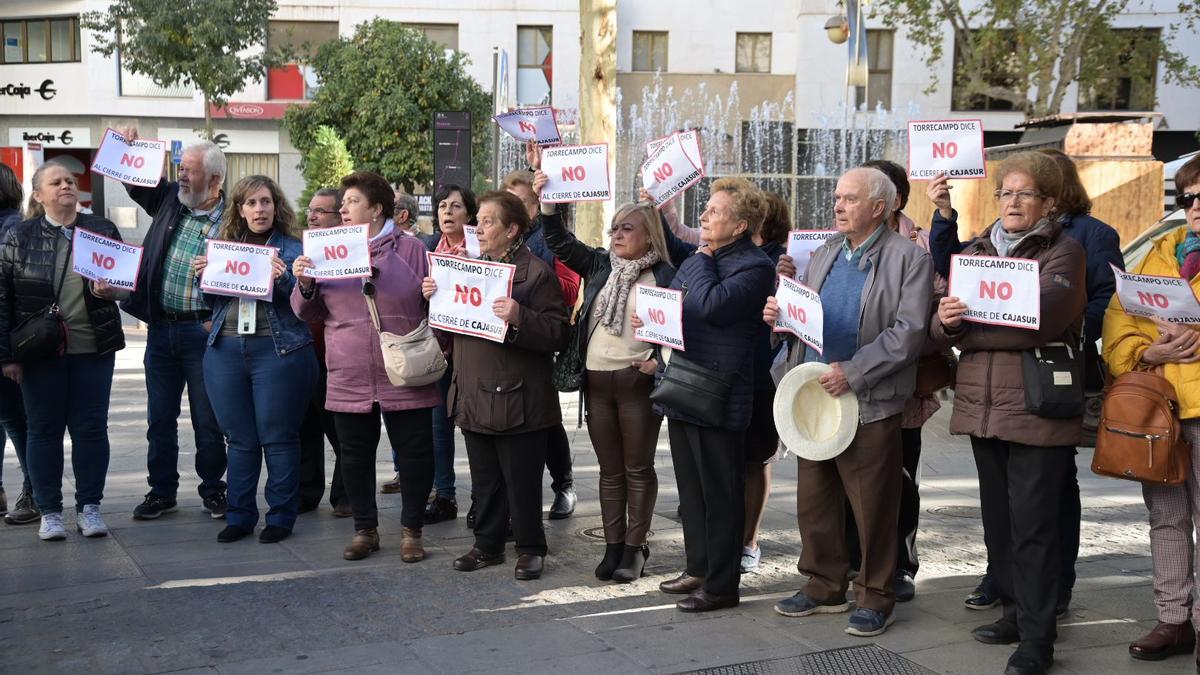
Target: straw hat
<point>810,422</point>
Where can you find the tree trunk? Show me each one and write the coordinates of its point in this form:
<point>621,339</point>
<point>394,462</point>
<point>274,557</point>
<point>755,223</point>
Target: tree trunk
<point>208,123</point>
<point>597,104</point>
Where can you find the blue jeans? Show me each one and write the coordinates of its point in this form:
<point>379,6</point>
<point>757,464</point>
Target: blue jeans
<point>69,393</point>
<point>12,423</point>
<point>174,357</point>
<point>443,443</point>
<point>260,397</point>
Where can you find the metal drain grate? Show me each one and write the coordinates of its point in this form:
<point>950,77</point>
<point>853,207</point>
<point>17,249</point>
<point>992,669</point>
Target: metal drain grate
<point>849,660</point>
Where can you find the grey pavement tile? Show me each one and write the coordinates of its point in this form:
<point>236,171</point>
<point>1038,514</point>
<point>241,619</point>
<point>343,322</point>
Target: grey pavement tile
<point>1085,628</point>
<point>65,573</point>
<point>246,550</point>
<point>180,573</point>
<point>486,649</point>
<point>1114,659</point>
<point>394,655</point>
<point>75,548</point>
<point>963,658</point>
<point>733,636</point>
<point>1126,602</point>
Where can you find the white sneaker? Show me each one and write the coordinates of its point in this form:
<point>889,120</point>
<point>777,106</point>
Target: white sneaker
<point>89,523</point>
<point>751,558</point>
<point>52,527</point>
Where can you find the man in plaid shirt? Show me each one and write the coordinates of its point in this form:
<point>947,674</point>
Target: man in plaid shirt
<point>184,216</point>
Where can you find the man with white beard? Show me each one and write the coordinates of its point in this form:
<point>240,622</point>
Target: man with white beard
<point>185,214</point>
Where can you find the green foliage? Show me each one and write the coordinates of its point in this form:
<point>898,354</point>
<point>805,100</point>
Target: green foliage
<point>214,45</point>
<point>325,163</point>
<point>1029,52</point>
<point>380,88</point>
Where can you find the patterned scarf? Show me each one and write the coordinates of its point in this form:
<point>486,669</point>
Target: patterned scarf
<point>509,253</point>
<point>611,301</point>
<point>444,246</point>
<point>1188,254</point>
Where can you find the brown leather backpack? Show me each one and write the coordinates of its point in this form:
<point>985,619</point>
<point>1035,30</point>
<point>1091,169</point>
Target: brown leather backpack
<point>1139,437</point>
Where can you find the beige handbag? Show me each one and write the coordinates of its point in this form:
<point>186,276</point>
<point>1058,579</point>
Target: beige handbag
<point>411,360</point>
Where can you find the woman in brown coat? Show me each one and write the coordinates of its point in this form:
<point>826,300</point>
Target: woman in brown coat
<point>502,396</point>
<point>1021,457</point>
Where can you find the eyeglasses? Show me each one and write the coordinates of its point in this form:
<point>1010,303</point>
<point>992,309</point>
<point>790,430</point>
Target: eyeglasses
<point>368,287</point>
<point>1022,196</point>
<point>1185,200</point>
<point>320,212</point>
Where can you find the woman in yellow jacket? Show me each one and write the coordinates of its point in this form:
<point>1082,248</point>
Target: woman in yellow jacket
<point>1131,342</point>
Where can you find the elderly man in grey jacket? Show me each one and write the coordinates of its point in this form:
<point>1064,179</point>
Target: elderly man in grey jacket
<point>875,287</point>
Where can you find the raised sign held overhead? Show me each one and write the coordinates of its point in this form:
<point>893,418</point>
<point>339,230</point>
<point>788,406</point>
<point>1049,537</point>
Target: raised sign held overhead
<point>690,139</point>
<point>669,170</point>
<point>998,291</point>
<point>134,163</point>
<point>576,173</point>
<point>1168,298</point>
<point>952,147</point>
<point>531,124</point>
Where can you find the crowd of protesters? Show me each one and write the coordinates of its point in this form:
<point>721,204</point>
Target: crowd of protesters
<point>271,380</point>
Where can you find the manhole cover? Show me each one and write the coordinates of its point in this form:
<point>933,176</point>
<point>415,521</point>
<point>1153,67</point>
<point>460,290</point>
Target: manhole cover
<point>597,533</point>
<point>955,511</point>
<point>851,660</point>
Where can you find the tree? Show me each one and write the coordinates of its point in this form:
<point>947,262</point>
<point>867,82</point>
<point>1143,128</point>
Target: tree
<point>1027,53</point>
<point>325,162</point>
<point>213,45</point>
<point>380,88</point>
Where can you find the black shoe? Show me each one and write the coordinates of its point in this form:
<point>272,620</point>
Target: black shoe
<point>999,633</point>
<point>564,504</point>
<point>215,505</point>
<point>439,509</point>
<point>1025,663</point>
<point>273,534</point>
<point>633,564</point>
<point>306,506</point>
<point>610,561</point>
<point>703,601</point>
<point>985,596</point>
<point>476,560</point>
<point>471,516</point>
<point>154,506</point>
<point>904,587</point>
<point>232,533</point>
<point>1063,605</point>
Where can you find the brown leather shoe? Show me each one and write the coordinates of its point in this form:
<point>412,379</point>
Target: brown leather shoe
<point>477,560</point>
<point>342,510</point>
<point>392,487</point>
<point>1167,639</point>
<point>411,549</point>
<point>529,567</point>
<point>364,543</point>
<point>681,585</point>
<point>702,601</point>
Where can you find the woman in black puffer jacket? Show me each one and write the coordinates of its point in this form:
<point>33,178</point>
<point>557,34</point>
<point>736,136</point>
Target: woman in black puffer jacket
<point>70,391</point>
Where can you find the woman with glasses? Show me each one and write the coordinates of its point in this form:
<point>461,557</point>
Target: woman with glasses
<point>260,368</point>
<point>359,391</point>
<point>1022,457</point>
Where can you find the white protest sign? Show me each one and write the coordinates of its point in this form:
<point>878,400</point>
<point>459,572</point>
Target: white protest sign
<point>237,269</point>
<point>661,312</point>
<point>952,147</point>
<point>471,239</point>
<point>531,124</point>
<point>134,163</point>
<point>802,244</point>
<point>96,257</point>
<point>998,291</point>
<point>341,252</point>
<point>1168,298</point>
<point>800,313</point>
<point>465,292</point>
<point>668,171</point>
<point>577,173</point>
<point>691,144</point>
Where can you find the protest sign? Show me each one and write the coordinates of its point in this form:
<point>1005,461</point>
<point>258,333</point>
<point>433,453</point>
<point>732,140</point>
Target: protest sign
<point>691,145</point>
<point>341,252</point>
<point>952,147</point>
<point>800,313</point>
<point>661,312</point>
<point>536,124</point>
<point>576,173</point>
<point>465,292</point>
<point>238,269</point>
<point>802,244</point>
<point>1168,298</point>
<point>668,171</point>
<point>96,257</point>
<point>998,291</point>
<point>139,162</point>
<point>471,239</point>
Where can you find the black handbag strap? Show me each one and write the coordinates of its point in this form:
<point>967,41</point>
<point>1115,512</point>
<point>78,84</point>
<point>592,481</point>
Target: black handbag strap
<point>62,278</point>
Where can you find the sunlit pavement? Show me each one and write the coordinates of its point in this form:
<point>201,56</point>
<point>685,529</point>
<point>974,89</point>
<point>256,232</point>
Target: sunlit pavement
<point>163,595</point>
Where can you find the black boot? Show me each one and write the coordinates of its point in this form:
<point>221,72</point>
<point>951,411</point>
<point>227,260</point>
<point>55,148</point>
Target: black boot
<point>633,563</point>
<point>612,558</point>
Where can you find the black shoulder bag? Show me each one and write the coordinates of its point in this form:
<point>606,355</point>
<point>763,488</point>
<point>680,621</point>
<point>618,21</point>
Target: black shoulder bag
<point>43,334</point>
<point>1053,378</point>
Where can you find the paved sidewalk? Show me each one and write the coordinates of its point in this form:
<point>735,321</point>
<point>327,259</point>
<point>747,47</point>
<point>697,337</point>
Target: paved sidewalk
<point>163,596</point>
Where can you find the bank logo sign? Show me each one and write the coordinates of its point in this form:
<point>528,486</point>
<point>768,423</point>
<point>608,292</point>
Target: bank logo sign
<point>21,90</point>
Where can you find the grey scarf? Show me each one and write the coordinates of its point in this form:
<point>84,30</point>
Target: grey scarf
<point>1004,241</point>
<point>611,301</point>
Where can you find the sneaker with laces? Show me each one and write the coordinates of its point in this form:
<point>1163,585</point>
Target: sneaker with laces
<point>751,558</point>
<point>24,512</point>
<point>801,604</point>
<point>154,506</point>
<point>89,523</point>
<point>215,505</point>
<point>866,622</point>
<point>52,528</point>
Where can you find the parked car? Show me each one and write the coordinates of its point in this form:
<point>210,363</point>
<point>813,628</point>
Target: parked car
<point>1134,251</point>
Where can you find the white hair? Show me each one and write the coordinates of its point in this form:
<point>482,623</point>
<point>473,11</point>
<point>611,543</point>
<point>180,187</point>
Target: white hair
<point>211,158</point>
<point>879,186</point>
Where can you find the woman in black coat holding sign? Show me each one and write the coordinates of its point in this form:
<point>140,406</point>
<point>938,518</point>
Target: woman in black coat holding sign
<point>616,373</point>
<point>67,389</point>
